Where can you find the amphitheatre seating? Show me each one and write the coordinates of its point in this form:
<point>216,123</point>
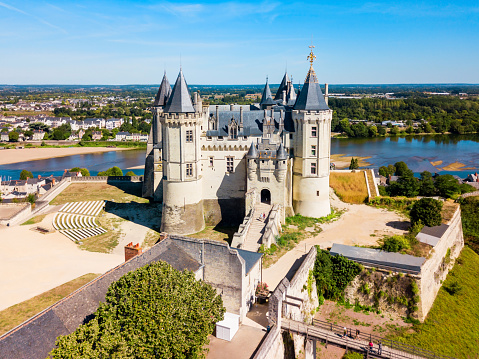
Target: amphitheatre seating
<point>76,220</point>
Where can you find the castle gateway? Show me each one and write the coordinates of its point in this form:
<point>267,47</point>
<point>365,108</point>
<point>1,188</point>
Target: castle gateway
<point>211,164</point>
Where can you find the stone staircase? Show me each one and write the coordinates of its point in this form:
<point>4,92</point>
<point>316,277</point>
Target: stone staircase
<point>256,229</point>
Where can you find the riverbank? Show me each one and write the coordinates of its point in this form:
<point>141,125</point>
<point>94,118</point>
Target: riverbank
<point>9,156</point>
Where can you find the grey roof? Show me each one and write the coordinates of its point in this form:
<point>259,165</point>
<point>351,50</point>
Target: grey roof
<point>282,87</point>
<point>311,97</point>
<point>436,231</point>
<point>379,258</point>
<point>281,153</point>
<point>291,95</point>
<point>250,258</point>
<point>252,122</point>
<point>178,258</point>
<point>164,92</point>
<point>180,99</point>
<point>267,98</point>
<point>252,152</point>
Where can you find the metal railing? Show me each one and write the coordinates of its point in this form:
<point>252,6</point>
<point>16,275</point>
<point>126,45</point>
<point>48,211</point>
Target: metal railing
<point>392,344</point>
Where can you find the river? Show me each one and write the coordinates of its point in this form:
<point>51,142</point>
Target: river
<point>421,153</point>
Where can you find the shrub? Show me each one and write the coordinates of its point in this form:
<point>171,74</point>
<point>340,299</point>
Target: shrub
<point>84,172</point>
<point>352,355</point>
<point>130,173</point>
<point>453,288</point>
<point>395,244</point>
<point>428,211</point>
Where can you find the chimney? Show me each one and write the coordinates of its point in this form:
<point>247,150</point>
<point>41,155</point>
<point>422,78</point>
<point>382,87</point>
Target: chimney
<point>195,98</point>
<point>53,182</point>
<point>39,176</point>
<point>326,92</point>
<point>284,97</point>
<point>163,236</point>
<point>231,107</point>
<point>132,251</point>
<point>241,118</point>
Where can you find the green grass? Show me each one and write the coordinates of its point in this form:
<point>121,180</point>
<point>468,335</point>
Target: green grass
<point>99,191</point>
<point>18,313</point>
<point>34,220</point>
<point>451,327</point>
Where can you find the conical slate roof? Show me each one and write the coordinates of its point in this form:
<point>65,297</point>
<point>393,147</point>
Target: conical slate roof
<point>282,87</point>
<point>180,99</point>
<point>252,153</point>
<point>281,153</point>
<point>267,99</point>
<point>291,94</point>
<point>164,92</point>
<point>311,97</point>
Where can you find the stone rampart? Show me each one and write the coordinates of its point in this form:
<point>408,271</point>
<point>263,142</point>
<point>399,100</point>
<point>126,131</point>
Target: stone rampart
<point>437,266</point>
<point>273,227</point>
<point>240,236</point>
<point>106,179</point>
<point>19,213</point>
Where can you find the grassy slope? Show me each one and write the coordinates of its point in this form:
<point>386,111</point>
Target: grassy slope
<point>350,187</point>
<point>451,327</point>
<point>96,192</point>
<point>18,313</point>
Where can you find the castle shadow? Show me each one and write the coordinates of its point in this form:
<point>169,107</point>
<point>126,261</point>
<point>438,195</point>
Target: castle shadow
<point>402,225</point>
<point>145,214</point>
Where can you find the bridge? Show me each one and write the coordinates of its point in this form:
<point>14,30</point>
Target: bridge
<point>332,334</point>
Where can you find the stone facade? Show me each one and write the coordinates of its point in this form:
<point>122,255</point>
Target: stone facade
<point>201,161</point>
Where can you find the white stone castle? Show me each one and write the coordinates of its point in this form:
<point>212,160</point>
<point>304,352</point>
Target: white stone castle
<point>210,164</point>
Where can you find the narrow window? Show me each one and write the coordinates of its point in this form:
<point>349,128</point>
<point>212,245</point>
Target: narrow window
<point>317,193</point>
<point>211,161</point>
<point>189,135</point>
<point>189,170</point>
<point>220,138</point>
<point>229,164</point>
<point>314,131</point>
<point>290,136</point>
<point>313,168</point>
<point>313,150</point>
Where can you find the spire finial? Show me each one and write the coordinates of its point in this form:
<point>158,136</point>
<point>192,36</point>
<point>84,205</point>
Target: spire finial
<point>311,56</point>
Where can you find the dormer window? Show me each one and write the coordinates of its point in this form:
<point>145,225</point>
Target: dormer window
<point>233,129</point>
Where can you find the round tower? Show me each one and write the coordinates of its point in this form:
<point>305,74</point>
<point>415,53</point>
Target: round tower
<point>182,180</point>
<point>312,143</point>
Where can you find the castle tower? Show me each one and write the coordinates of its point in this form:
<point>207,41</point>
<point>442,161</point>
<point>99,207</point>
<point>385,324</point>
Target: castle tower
<point>312,121</point>
<point>152,186</point>
<point>182,179</point>
<point>266,99</point>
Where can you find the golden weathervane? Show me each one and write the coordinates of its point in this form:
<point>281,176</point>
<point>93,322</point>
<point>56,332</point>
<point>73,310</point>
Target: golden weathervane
<point>311,56</point>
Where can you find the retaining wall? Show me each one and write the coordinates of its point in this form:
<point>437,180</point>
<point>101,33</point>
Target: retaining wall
<point>273,227</point>
<point>18,217</point>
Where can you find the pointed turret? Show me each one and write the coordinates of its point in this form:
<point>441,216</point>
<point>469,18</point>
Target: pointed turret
<point>281,153</point>
<point>291,94</point>
<point>311,97</point>
<point>253,152</point>
<point>180,99</point>
<point>266,99</point>
<point>282,87</point>
<point>164,92</point>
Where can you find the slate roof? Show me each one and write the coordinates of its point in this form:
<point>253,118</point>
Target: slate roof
<point>436,231</point>
<point>164,92</point>
<point>311,97</point>
<point>281,153</point>
<point>378,258</point>
<point>180,98</point>
<point>267,98</point>
<point>252,152</point>
<point>250,258</point>
<point>252,121</point>
<point>282,87</point>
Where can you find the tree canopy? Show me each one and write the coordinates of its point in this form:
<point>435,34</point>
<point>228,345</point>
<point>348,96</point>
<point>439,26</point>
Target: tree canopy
<point>426,211</point>
<point>25,174</point>
<point>153,312</point>
<point>113,171</point>
<point>84,172</point>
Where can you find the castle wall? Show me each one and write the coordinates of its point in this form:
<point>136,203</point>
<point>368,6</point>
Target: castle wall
<point>434,271</point>
<point>311,196</point>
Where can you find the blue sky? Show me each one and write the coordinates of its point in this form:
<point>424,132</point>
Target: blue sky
<point>132,42</point>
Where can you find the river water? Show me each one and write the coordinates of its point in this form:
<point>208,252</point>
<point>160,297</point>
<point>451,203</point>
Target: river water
<point>417,151</point>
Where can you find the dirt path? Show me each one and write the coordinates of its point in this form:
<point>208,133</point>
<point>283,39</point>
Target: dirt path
<point>359,225</point>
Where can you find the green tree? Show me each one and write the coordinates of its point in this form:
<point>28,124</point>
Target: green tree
<point>447,186</point>
<point>408,185</point>
<point>426,211</point>
<point>130,173</point>
<point>113,171</point>
<point>401,168</point>
<point>426,185</point>
<point>84,172</point>
<point>153,312</point>
<point>13,136</point>
<point>31,198</point>
<point>354,164</point>
<point>394,130</point>
<point>25,174</point>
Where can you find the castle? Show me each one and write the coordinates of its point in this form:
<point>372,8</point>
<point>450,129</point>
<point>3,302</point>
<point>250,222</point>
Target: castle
<point>210,164</point>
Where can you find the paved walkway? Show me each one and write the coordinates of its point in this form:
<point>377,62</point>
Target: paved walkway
<point>315,332</point>
<point>256,229</point>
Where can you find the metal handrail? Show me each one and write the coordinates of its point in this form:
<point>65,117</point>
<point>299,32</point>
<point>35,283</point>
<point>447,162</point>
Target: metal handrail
<point>392,344</point>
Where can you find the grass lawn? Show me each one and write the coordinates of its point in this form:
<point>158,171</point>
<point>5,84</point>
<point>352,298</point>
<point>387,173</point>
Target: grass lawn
<point>350,187</point>
<point>18,313</point>
<point>104,243</point>
<point>451,327</point>
<point>34,220</point>
<point>99,191</point>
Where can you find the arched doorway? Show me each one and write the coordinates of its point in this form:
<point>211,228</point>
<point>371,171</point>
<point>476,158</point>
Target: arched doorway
<point>265,196</point>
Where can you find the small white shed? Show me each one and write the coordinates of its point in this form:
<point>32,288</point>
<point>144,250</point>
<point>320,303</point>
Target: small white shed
<point>227,328</point>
